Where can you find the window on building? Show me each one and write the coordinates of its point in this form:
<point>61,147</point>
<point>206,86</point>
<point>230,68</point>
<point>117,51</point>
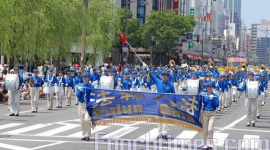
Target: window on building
<point>141,11</point>
<point>123,4</point>
<point>155,5</point>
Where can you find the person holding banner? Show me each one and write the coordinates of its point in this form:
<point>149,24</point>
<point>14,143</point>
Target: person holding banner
<point>210,104</point>
<point>163,86</point>
<point>83,94</point>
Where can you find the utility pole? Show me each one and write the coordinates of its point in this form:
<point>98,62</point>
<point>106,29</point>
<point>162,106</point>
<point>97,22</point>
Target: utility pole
<point>84,20</point>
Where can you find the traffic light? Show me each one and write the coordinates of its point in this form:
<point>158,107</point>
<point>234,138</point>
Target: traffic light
<point>198,38</point>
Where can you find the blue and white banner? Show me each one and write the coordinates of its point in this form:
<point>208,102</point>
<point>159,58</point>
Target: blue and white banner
<point>112,106</point>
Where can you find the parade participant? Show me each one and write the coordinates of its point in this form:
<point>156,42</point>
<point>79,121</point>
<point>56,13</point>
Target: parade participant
<point>214,71</point>
<point>203,83</point>
<point>84,96</point>
<point>116,83</point>
<point>50,81</point>
<point>250,103</point>
<point>14,96</point>
<point>225,89</point>
<point>68,88</point>
<point>234,88</point>
<point>229,93</point>
<point>146,84</point>
<point>77,80</point>
<point>173,76</point>
<point>163,86</point>
<point>210,104</point>
<point>94,76</point>
<point>35,83</point>
<point>134,81</point>
<point>261,97</point>
<point>126,82</point>
<point>60,96</point>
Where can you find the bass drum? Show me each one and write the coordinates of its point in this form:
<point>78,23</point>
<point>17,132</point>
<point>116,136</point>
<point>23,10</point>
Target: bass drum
<point>48,89</point>
<point>106,82</point>
<point>12,82</point>
<point>58,89</point>
<point>193,87</point>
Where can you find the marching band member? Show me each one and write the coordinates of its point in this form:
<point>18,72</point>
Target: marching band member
<point>203,82</point>
<point>60,96</point>
<point>77,80</point>
<point>234,88</point>
<point>126,82</point>
<point>115,79</point>
<point>94,76</point>
<point>250,103</point>
<point>134,81</point>
<point>50,81</point>
<point>68,88</point>
<point>14,96</point>
<point>163,86</point>
<point>83,94</point>
<point>210,104</point>
<point>261,97</point>
<point>35,83</point>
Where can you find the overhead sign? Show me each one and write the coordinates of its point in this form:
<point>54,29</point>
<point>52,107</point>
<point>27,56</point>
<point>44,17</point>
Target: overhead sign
<point>189,37</point>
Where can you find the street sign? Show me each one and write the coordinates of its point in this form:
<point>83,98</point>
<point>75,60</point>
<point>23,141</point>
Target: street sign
<point>180,51</point>
<point>125,49</point>
<point>125,44</point>
<point>124,59</point>
<point>189,37</point>
<point>125,54</point>
<point>218,46</point>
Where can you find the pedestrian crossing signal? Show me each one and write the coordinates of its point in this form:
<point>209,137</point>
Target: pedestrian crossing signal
<point>198,38</point>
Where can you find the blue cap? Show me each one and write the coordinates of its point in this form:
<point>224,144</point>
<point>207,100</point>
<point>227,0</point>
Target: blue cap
<point>15,68</point>
<point>126,72</point>
<point>35,71</point>
<point>216,67</point>
<point>165,72</point>
<point>134,72</point>
<point>68,72</point>
<point>262,75</point>
<point>98,71</point>
<point>51,69</point>
<point>141,72</point>
<point>78,71</point>
<point>204,74</point>
<point>85,75</point>
<point>194,73</point>
<point>209,75</point>
<point>110,70</point>
<point>106,70</point>
<point>156,71</point>
<point>94,68</point>
<point>251,73</point>
<point>211,84</point>
<point>60,71</point>
<point>88,70</point>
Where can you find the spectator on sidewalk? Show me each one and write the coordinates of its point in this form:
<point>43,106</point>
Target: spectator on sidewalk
<point>25,91</point>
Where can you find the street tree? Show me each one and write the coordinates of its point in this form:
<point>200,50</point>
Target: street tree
<point>165,28</point>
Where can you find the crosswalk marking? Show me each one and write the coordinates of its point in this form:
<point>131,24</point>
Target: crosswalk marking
<point>97,129</point>
<point>220,137</point>
<point>249,141</point>
<point>9,125</point>
<point>13,147</point>
<point>187,135</point>
<point>26,129</point>
<point>151,135</point>
<point>121,132</point>
<point>58,130</point>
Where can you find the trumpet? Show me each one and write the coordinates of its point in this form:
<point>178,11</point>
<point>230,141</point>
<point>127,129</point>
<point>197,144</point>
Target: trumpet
<point>172,63</point>
<point>211,64</point>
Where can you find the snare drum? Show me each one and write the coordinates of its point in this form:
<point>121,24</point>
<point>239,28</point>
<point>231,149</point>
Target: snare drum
<point>193,87</point>
<point>12,82</point>
<point>48,89</point>
<point>58,89</point>
<point>106,82</point>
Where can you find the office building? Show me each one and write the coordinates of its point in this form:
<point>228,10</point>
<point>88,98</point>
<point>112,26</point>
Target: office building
<point>234,7</point>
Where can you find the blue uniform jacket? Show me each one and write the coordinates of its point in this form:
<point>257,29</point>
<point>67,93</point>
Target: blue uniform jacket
<point>210,102</point>
<point>61,81</point>
<point>77,80</point>
<point>162,87</point>
<point>51,80</point>
<point>83,92</point>
<point>37,81</point>
<point>94,77</point>
<point>69,82</point>
<point>126,84</point>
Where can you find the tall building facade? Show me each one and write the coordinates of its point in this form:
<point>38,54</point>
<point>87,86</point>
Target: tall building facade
<point>234,7</point>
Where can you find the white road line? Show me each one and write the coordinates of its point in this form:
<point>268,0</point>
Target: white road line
<point>9,125</point>
<point>233,123</point>
<point>184,138</point>
<point>250,142</point>
<point>26,129</point>
<point>121,132</point>
<point>151,135</point>
<point>248,130</point>
<point>58,130</point>
<point>97,129</point>
<point>22,112</point>
<point>47,145</point>
<point>13,147</point>
<point>220,137</point>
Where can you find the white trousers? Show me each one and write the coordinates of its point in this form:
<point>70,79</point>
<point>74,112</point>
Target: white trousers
<point>234,93</point>
<point>208,124</point>
<point>76,86</point>
<point>259,104</point>
<point>34,94</point>
<point>251,110</point>
<point>50,101</point>
<point>68,91</point>
<point>220,95</point>
<point>60,97</point>
<point>14,98</point>
<point>85,120</point>
<point>162,128</point>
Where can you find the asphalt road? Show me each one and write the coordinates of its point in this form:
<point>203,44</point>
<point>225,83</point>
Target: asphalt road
<point>60,129</point>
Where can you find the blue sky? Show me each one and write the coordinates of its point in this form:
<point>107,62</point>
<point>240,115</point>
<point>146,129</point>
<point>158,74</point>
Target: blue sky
<point>255,10</point>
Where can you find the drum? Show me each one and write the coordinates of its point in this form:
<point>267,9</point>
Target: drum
<point>252,89</point>
<point>48,89</point>
<point>106,82</point>
<point>12,82</point>
<point>58,89</point>
<point>192,87</point>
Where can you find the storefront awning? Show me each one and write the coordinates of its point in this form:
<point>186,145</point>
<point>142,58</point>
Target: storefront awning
<point>190,56</point>
<point>207,59</point>
<point>216,59</point>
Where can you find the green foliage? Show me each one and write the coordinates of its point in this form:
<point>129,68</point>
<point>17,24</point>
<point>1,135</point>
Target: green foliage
<point>254,60</point>
<point>165,28</point>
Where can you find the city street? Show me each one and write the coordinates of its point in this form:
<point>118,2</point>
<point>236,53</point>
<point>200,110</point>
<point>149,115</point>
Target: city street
<point>60,129</point>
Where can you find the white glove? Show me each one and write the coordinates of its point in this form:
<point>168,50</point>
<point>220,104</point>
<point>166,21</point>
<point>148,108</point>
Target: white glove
<point>211,96</point>
<point>121,84</point>
<point>66,84</point>
<point>144,64</point>
<point>80,88</point>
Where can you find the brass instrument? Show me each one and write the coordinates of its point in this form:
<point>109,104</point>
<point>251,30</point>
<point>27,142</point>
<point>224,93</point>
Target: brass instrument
<point>262,67</point>
<point>211,64</point>
<point>172,63</point>
<point>243,66</point>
